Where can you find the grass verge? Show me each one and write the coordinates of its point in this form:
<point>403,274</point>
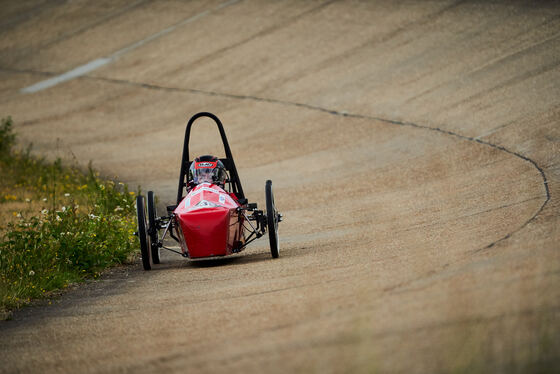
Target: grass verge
<point>58,225</point>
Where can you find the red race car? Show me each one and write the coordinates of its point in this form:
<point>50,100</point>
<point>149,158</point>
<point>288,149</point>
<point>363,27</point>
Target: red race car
<point>213,219</point>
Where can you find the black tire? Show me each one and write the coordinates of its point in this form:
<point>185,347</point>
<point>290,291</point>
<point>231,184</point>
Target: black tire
<point>272,220</point>
<point>143,234</point>
<point>152,228</point>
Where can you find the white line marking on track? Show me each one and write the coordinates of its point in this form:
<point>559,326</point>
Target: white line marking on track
<point>97,63</point>
<point>74,73</point>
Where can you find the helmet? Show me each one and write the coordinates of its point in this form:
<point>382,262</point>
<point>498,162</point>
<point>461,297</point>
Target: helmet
<point>207,169</point>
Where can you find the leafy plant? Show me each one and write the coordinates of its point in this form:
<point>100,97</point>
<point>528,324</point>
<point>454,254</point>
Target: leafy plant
<point>79,226</point>
<point>7,138</point>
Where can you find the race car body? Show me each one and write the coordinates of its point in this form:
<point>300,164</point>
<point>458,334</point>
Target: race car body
<point>210,221</point>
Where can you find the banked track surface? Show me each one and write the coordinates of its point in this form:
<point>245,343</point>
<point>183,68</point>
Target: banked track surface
<point>386,263</point>
<point>353,115</point>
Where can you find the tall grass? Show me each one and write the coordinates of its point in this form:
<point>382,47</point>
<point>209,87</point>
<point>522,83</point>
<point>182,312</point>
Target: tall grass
<point>71,226</point>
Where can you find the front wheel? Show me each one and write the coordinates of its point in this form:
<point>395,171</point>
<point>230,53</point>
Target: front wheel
<point>145,245</point>
<point>152,228</point>
<point>272,218</point>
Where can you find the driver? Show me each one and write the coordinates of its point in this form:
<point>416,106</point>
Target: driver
<point>207,169</point>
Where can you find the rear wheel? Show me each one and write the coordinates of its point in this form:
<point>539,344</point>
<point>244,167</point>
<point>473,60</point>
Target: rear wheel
<point>272,220</point>
<point>152,228</point>
<point>145,245</point>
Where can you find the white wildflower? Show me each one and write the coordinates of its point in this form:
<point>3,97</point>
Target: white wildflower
<point>44,211</point>
<point>118,209</point>
<point>67,194</point>
<point>44,199</point>
<point>63,209</point>
<point>32,273</point>
<point>27,200</point>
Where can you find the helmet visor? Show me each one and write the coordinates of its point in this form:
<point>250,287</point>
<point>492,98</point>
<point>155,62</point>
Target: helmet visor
<point>204,171</point>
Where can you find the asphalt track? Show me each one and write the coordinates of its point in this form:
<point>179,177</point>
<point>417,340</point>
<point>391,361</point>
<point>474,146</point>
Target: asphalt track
<point>414,151</point>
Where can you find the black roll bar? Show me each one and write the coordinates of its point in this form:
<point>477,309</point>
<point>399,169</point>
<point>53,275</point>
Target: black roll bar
<point>228,161</point>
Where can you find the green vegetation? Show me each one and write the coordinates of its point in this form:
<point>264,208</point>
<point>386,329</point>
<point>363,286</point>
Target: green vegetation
<point>58,225</point>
